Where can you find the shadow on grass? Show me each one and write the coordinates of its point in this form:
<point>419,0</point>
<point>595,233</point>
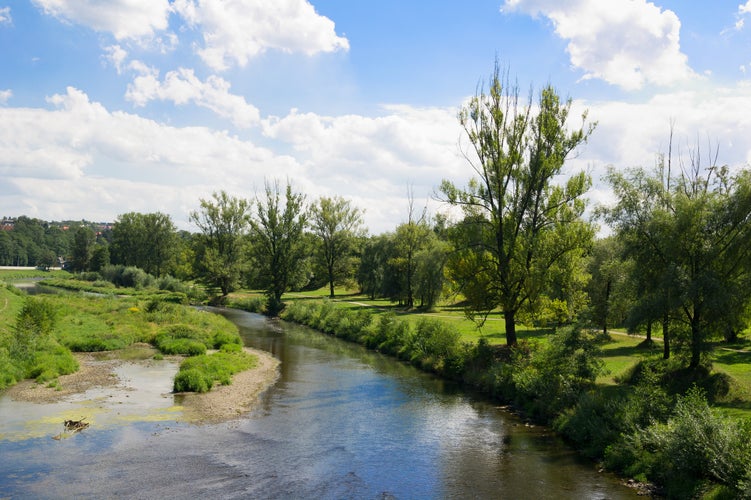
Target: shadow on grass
<point>733,357</point>
<point>629,351</point>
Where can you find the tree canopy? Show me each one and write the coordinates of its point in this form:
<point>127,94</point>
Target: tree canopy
<point>517,222</point>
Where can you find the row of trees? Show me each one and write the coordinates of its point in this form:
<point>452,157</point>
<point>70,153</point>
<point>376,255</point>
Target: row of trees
<point>679,256</point>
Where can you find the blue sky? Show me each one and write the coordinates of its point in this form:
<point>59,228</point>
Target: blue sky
<point>150,105</point>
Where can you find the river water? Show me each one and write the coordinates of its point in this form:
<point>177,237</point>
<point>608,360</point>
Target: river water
<point>341,422</point>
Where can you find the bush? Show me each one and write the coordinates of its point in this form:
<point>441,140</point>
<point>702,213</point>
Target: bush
<point>198,374</point>
<point>695,445</point>
<point>555,375</point>
<point>50,364</point>
<point>130,276</point>
<point>224,338</point>
<point>192,380</point>
<point>33,328</point>
<point>251,304</point>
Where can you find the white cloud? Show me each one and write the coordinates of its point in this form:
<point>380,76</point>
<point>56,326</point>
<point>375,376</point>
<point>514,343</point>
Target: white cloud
<point>633,134</point>
<point>374,160</point>
<point>117,56</point>
<point>5,17</point>
<point>80,160</point>
<point>237,30</point>
<point>628,43</point>
<point>5,96</point>
<point>745,8</point>
<point>182,87</point>
<point>125,19</point>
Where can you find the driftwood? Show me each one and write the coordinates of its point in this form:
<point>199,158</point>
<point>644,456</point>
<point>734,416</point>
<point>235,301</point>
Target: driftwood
<point>71,427</point>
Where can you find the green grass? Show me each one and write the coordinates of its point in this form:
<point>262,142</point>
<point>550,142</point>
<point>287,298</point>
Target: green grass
<point>26,274</point>
<point>619,354</point>
<point>493,330</point>
<point>199,373</point>
<point>105,323</point>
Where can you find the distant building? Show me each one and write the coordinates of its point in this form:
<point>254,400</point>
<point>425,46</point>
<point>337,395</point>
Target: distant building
<point>7,224</point>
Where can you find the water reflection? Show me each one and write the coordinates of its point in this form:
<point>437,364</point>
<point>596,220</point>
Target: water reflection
<point>341,422</point>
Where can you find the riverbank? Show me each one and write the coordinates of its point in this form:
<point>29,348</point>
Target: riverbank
<point>100,371</point>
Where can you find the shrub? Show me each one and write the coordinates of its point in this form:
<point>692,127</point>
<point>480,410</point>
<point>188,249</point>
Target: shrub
<point>50,364</point>
<point>224,338</point>
<point>251,304</point>
<point>696,444</point>
<point>202,371</point>
<point>192,380</point>
<point>185,347</point>
<point>555,375</point>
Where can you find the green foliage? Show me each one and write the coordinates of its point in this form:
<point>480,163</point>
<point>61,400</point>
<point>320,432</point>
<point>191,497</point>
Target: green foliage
<point>199,373</point>
<point>48,364</point>
<point>128,276</point>
<point>250,304</point>
<point>277,234</point>
<point>517,223</point>
<point>695,445</point>
<point>146,241</point>
<point>338,226</point>
<point>220,250</point>
<point>557,373</point>
<point>33,329</point>
<point>192,380</point>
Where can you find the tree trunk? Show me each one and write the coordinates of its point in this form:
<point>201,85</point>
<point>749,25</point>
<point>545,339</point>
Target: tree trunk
<point>666,336</point>
<point>696,347</point>
<point>649,331</point>
<point>331,280</point>
<point>607,310</point>
<point>509,317</point>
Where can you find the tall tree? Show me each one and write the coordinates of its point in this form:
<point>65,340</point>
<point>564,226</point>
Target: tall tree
<point>277,235</point>
<point>338,226</point>
<point>147,241</point>
<point>608,288</point>
<point>517,222</point>
<point>221,255</point>
<point>83,248</point>
<point>691,235</point>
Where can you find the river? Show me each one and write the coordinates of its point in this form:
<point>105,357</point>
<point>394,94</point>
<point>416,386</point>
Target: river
<point>341,422</point>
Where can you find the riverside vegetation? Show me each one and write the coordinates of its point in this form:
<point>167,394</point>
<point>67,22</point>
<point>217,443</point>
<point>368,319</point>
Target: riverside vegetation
<point>514,250</point>
<point>38,334</point>
<point>610,395</point>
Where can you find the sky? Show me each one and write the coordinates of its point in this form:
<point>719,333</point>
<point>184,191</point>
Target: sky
<point>152,105</point>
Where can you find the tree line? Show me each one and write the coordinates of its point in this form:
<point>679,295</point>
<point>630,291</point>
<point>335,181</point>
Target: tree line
<point>678,258</point>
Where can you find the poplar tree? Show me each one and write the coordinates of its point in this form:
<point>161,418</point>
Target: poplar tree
<point>517,221</point>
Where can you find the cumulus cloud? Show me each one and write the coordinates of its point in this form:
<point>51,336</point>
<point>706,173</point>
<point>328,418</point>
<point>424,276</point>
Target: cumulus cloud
<point>78,157</point>
<point>79,137</point>
<point>182,87</point>
<point>633,134</point>
<point>5,17</point>
<point>628,43</point>
<point>238,30</point>
<point>5,96</point>
<point>125,19</point>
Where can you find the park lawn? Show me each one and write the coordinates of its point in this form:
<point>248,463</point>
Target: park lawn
<point>735,361</point>
<point>494,329</point>
<point>621,353</point>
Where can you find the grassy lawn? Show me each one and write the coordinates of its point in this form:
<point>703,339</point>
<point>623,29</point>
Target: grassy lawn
<point>621,353</point>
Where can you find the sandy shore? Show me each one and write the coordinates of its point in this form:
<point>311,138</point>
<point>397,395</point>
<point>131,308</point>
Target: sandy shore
<point>97,370</point>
